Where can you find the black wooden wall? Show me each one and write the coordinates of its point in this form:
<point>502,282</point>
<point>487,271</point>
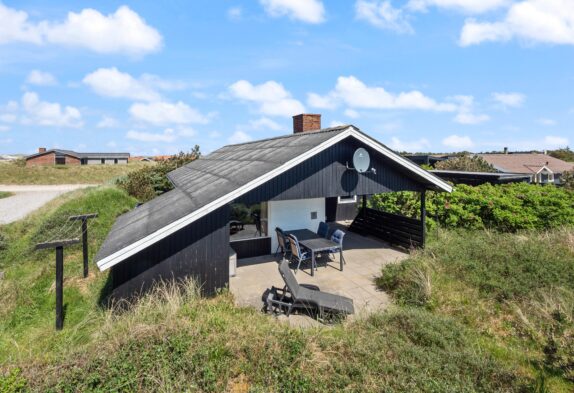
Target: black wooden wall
<point>325,175</point>
<point>200,250</point>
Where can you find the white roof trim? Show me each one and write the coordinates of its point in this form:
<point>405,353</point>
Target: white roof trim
<point>167,230</point>
<point>543,168</point>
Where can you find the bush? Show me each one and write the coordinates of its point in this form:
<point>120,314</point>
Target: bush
<point>567,180</point>
<point>467,163</point>
<point>506,207</point>
<point>565,154</point>
<point>149,182</point>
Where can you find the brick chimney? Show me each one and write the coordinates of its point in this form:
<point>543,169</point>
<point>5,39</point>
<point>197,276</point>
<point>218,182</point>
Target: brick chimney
<point>41,150</point>
<point>306,122</point>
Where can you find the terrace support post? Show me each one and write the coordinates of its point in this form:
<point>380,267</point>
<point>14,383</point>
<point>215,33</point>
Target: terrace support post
<point>364,206</point>
<point>423,217</point>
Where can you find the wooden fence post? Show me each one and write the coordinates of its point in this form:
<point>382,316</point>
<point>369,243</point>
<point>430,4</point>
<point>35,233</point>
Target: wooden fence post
<point>423,216</point>
<point>84,218</point>
<point>59,246</point>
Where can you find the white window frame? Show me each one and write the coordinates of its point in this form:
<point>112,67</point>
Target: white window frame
<point>352,199</point>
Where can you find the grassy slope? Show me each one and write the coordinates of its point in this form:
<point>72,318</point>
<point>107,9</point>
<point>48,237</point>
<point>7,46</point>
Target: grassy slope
<point>515,291</point>
<point>27,293</point>
<point>11,173</point>
<point>173,341</point>
<point>5,194</point>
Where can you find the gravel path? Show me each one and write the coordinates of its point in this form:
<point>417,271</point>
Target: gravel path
<point>26,199</point>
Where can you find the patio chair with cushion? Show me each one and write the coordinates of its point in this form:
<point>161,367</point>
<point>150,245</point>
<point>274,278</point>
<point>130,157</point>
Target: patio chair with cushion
<point>283,242</point>
<point>337,237</point>
<point>297,255</point>
<point>323,230</point>
<point>308,297</point>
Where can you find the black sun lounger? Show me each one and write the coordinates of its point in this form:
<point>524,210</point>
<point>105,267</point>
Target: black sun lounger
<point>309,297</point>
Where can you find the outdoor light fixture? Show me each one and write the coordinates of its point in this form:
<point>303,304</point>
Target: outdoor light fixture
<point>361,162</point>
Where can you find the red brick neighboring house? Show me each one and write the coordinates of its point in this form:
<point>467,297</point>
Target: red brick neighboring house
<point>69,157</point>
<point>541,167</point>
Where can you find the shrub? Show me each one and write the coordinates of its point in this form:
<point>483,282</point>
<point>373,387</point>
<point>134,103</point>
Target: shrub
<point>567,180</point>
<point>467,163</point>
<point>564,153</point>
<point>149,182</point>
<point>506,207</point>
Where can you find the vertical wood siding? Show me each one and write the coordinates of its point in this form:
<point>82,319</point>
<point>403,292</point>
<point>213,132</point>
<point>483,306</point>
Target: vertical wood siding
<point>200,250</point>
<point>325,175</point>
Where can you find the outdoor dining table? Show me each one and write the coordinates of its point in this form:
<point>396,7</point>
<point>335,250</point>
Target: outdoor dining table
<point>316,244</point>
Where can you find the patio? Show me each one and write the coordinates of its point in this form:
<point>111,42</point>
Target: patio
<point>365,256</point>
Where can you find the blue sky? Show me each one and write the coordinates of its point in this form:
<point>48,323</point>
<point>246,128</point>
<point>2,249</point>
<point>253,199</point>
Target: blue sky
<point>159,77</point>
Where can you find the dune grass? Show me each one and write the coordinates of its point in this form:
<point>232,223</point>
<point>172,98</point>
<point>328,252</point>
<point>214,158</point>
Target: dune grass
<point>5,194</point>
<point>16,173</point>
<point>173,340</point>
<point>516,291</point>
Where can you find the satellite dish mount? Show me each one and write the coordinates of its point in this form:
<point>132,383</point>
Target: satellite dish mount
<point>361,162</point>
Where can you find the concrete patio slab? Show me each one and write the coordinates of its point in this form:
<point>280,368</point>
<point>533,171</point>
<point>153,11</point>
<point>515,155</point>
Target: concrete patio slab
<point>365,256</point>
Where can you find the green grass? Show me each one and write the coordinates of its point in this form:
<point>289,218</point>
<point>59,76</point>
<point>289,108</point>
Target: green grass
<point>173,340</point>
<point>5,194</point>
<point>516,291</point>
<point>13,173</point>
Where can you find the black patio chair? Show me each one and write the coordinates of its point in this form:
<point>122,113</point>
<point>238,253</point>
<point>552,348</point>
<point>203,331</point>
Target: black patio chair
<point>308,297</point>
<point>283,243</point>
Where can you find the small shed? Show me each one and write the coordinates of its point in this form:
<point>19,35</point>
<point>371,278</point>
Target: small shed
<point>284,182</point>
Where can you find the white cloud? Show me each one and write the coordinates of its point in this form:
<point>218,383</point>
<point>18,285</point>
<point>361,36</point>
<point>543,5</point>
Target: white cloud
<point>547,122</point>
<point>41,78</point>
<point>467,6</point>
<point>4,128</point>
<point>235,13</point>
<point>418,145</point>
<point>110,82</point>
<point>107,122</point>
<point>544,21</point>
<point>514,100</point>
<point>466,113</point>
<point>470,118</point>
<point>154,81</point>
<point>353,114</point>
<point>167,135</point>
<point>457,142</point>
<point>382,15</point>
<point>322,102</point>
<point>356,94</point>
<point>187,132</point>
<point>123,31</point>
<point>555,141</point>
<point>239,137</point>
<point>163,113</point>
<point>309,11</point>
<point>265,123</point>
<point>8,112</point>
<point>271,97</point>
<point>49,113</point>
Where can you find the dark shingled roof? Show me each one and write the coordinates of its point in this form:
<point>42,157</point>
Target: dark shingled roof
<point>234,165</point>
<point>146,219</point>
<point>206,180</point>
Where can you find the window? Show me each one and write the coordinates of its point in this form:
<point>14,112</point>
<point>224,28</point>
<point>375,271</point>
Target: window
<point>347,199</point>
<point>103,161</point>
<point>115,160</point>
<point>248,222</point>
<point>60,160</point>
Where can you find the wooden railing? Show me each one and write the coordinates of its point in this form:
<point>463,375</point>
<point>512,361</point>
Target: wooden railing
<point>396,229</point>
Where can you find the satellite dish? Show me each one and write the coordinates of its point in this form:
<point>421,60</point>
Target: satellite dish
<point>361,160</point>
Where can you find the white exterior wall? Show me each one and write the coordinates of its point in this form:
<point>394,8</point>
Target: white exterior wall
<point>294,214</point>
<point>109,161</point>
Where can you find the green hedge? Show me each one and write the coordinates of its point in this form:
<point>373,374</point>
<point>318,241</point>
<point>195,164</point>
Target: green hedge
<point>507,207</point>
